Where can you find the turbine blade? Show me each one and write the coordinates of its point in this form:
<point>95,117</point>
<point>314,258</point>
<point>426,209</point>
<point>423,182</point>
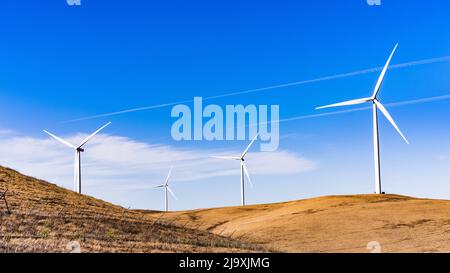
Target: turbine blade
<point>92,135</point>
<point>383,73</point>
<point>171,192</point>
<point>61,140</point>
<point>249,146</point>
<point>157,187</point>
<point>346,103</point>
<point>168,176</point>
<point>248,175</point>
<point>391,120</point>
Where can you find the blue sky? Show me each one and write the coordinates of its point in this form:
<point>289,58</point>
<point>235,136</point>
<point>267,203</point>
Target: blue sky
<point>60,62</point>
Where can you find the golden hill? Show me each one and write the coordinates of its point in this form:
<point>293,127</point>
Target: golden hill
<point>333,224</point>
<point>47,218</point>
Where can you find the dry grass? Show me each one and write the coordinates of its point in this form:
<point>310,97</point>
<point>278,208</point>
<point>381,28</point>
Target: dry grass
<point>333,224</point>
<point>45,218</point>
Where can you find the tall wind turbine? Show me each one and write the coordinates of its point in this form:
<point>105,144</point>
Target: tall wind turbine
<point>375,106</point>
<point>167,190</point>
<point>78,150</point>
<point>244,170</point>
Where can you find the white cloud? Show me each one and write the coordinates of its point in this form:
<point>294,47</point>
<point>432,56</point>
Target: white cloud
<point>442,157</point>
<point>122,163</point>
<point>7,132</point>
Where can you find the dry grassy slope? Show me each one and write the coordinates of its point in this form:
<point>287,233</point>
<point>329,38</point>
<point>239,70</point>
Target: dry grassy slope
<point>334,224</point>
<point>45,218</point>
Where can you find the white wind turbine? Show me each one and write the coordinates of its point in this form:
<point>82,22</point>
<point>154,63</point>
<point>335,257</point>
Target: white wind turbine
<point>167,190</point>
<point>244,170</point>
<point>78,150</point>
<point>375,106</point>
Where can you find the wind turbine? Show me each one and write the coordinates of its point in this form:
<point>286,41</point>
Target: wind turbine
<point>167,190</point>
<point>375,106</point>
<point>244,169</point>
<point>78,150</point>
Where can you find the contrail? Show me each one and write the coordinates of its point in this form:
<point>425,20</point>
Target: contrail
<point>320,79</point>
<point>393,104</point>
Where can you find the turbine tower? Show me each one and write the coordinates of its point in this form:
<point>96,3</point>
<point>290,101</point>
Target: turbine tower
<point>376,105</point>
<point>167,190</point>
<point>244,170</point>
<point>78,150</point>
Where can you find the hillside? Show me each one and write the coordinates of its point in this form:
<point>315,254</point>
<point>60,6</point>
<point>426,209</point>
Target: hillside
<point>333,224</point>
<point>47,218</point>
